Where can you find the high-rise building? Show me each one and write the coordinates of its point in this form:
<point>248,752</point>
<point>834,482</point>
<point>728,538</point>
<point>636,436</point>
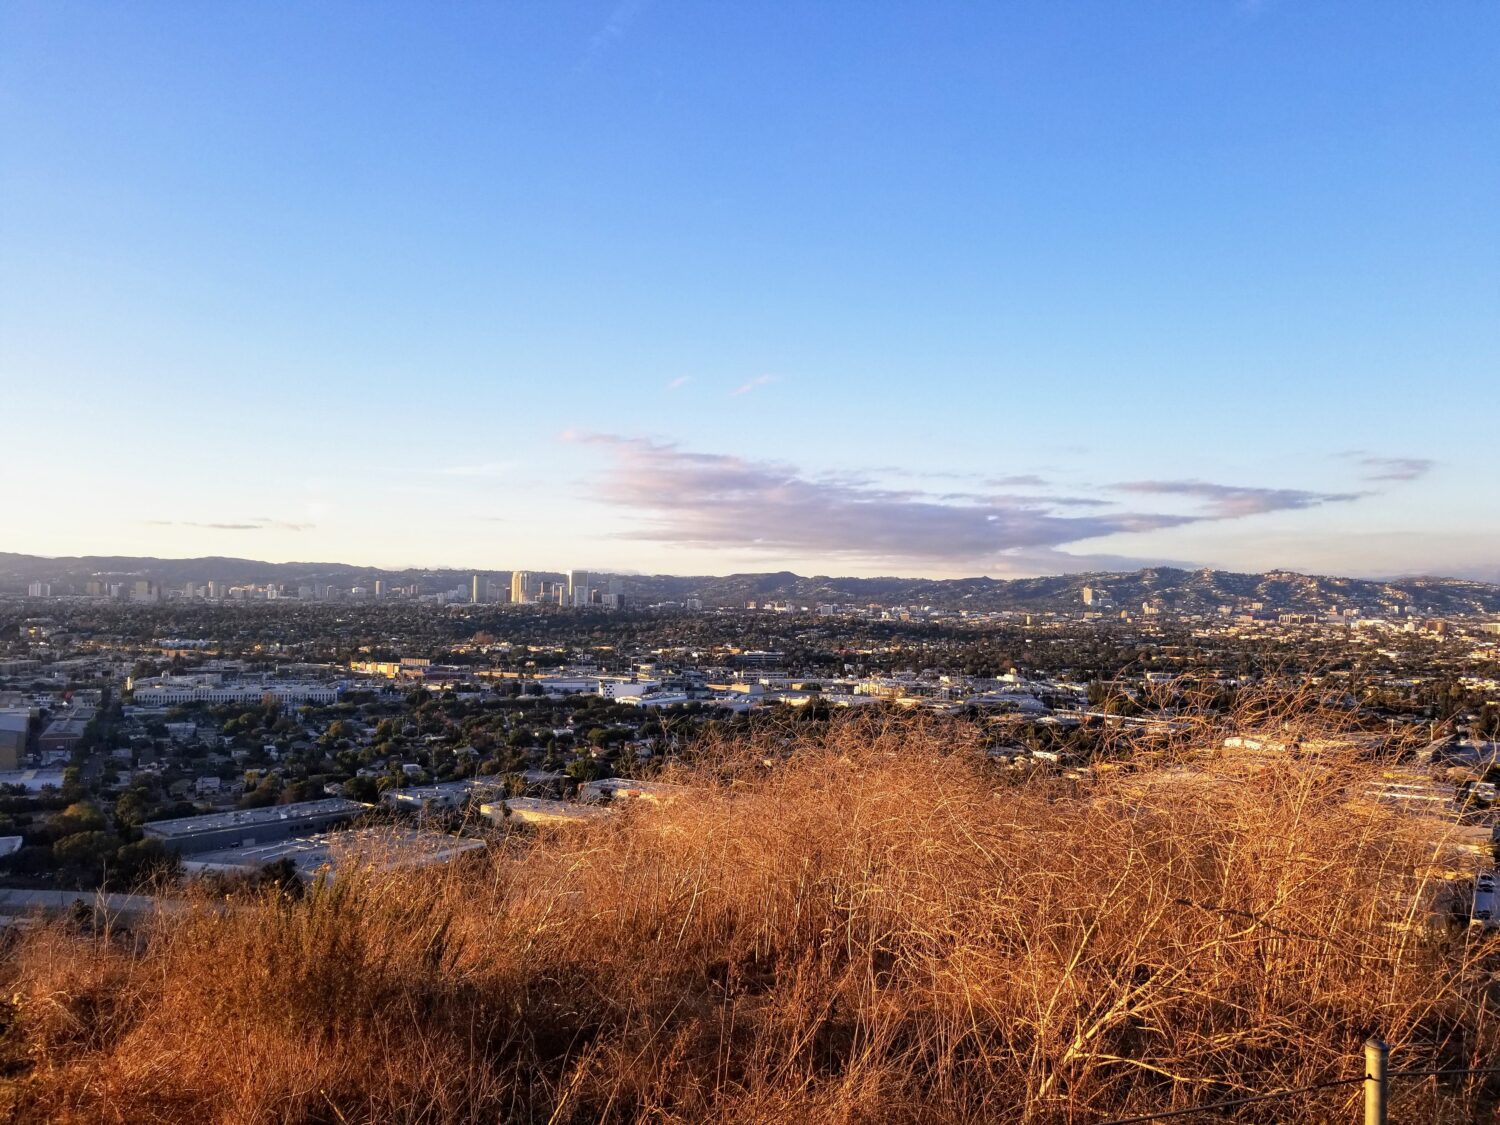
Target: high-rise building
<point>578,588</point>
<point>380,587</point>
<point>520,587</point>
<point>476,590</point>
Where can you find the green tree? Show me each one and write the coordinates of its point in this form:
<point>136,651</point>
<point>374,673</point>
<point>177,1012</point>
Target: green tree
<point>263,795</point>
<point>362,789</point>
<point>81,856</point>
<point>131,808</point>
<point>587,769</point>
<point>143,860</point>
<point>81,816</point>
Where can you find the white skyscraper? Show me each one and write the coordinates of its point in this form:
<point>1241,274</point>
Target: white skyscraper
<point>578,588</point>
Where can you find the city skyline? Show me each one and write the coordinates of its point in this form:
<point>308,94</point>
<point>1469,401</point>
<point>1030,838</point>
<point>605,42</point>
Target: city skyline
<point>658,289</point>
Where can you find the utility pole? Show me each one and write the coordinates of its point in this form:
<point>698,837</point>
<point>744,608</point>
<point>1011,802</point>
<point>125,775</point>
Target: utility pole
<point>1376,1056</point>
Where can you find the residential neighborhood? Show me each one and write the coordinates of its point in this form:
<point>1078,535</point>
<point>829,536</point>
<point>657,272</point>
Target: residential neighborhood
<point>197,736</point>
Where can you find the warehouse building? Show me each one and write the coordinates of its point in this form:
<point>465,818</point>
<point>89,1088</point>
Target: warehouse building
<point>244,828</point>
<point>15,725</point>
<point>330,853</point>
<point>444,795</point>
<point>539,811</point>
<point>65,732</point>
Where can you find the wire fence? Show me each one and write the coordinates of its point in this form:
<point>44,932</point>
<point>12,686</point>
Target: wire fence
<point>1375,1079</point>
<point>1233,1102</point>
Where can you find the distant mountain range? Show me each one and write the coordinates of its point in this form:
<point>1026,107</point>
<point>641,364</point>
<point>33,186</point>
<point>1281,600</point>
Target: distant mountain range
<point>1171,588</point>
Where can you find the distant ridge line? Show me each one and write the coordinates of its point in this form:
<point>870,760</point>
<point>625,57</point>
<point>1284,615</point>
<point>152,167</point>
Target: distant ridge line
<point>1170,588</point>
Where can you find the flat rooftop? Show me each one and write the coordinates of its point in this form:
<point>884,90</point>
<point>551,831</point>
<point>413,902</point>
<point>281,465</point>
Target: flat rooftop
<point>620,787</point>
<point>70,724</point>
<point>377,849</point>
<point>536,810</point>
<point>445,789</point>
<point>249,818</point>
<point>32,780</point>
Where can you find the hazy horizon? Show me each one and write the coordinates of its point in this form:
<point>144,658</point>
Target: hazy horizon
<point>903,290</point>
<point>1492,578</point>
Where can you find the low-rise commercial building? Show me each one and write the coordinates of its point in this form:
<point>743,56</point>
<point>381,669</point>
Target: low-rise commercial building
<point>15,726</point>
<point>290,694</point>
<point>332,853</point>
<point>538,811</point>
<point>245,827</point>
<point>444,794</point>
<point>64,733</point>
<point>625,789</point>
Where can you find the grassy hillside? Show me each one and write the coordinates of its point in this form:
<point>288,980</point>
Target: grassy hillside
<point>876,928</point>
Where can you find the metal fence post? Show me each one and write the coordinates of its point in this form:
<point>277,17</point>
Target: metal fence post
<point>1376,1055</point>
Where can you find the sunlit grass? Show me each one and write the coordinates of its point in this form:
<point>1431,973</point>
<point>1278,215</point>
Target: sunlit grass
<point>875,926</point>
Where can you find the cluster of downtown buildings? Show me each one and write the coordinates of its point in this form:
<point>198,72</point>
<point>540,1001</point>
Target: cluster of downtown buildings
<point>573,590</point>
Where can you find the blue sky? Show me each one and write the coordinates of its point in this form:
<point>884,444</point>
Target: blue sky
<point>845,288</point>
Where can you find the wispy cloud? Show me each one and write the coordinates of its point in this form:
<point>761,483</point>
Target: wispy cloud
<point>1227,501</point>
<point>1026,500</point>
<point>1394,468</point>
<point>721,501</point>
<point>256,524</point>
<point>678,383</point>
<point>755,384</point>
<point>615,28</point>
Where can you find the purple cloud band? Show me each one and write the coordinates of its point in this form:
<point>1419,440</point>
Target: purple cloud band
<point>713,500</point>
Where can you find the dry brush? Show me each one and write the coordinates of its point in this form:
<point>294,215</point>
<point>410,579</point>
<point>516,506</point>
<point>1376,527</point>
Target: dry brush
<point>867,924</point>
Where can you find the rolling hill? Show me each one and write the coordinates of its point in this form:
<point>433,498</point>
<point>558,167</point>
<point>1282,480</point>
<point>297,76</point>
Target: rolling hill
<point>1173,589</point>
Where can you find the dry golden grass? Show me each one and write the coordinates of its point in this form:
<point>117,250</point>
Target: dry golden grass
<point>875,928</point>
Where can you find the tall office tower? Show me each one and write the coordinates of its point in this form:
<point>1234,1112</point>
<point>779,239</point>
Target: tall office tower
<point>1088,595</point>
<point>520,587</point>
<point>380,587</point>
<point>476,591</point>
<point>578,588</point>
